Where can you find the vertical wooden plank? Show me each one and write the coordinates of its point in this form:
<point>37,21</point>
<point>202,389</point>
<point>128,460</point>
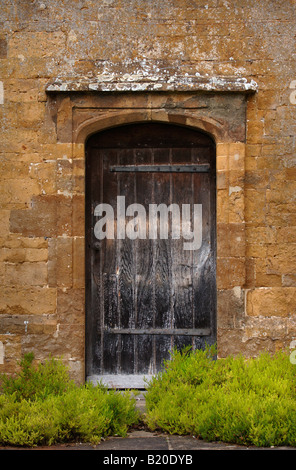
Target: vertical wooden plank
<point>126,259</point>
<point>145,354</point>
<point>163,264</point>
<point>181,258</point>
<point>127,362</point>
<point>204,259</point>
<point>109,284</point>
<point>145,258</point>
<point>110,352</point>
<point>163,350</point>
<point>96,182</point>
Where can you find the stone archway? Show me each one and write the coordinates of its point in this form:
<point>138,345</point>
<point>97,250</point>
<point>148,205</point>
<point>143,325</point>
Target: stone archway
<point>74,115</point>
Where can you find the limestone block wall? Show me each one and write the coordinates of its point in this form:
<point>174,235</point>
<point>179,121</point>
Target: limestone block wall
<point>141,47</point>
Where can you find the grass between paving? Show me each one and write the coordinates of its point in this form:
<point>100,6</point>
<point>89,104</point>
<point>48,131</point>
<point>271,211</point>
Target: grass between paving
<point>237,400</point>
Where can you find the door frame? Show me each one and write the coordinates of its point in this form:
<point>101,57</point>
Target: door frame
<point>74,113</point>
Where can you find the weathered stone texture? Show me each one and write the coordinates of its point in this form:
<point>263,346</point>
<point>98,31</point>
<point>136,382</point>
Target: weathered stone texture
<point>169,46</point>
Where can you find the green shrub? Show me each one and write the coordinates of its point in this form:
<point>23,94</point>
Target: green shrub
<point>238,400</point>
<point>42,406</point>
<point>37,381</point>
<point>85,413</point>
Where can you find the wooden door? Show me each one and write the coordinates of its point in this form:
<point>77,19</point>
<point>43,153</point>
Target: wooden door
<point>150,269</point>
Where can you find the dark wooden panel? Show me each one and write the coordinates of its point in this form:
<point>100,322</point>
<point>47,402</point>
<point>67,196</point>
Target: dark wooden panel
<point>163,348</point>
<point>134,287</point>
<point>126,259</point>
<point>163,265</point>
<point>145,354</point>
<point>145,299</point>
<point>182,342</point>
<point>202,257</point>
<point>181,187</point>
<point>151,135</point>
<point>94,343</point>
<point>163,275</point>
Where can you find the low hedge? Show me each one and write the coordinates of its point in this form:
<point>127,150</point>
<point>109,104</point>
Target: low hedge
<point>235,400</point>
<point>42,406</point>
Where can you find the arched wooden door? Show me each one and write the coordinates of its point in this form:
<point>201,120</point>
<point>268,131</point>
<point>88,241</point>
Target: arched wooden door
<point>150,249</point>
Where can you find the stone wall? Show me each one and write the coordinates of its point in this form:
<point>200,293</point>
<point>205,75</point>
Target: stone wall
<point>52,55</point>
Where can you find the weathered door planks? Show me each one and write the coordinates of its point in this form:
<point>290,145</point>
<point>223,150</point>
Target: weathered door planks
<point>146,296</point>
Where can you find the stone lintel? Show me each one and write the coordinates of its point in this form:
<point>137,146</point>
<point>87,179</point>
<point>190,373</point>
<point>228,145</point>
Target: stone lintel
<point>133,83</point>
